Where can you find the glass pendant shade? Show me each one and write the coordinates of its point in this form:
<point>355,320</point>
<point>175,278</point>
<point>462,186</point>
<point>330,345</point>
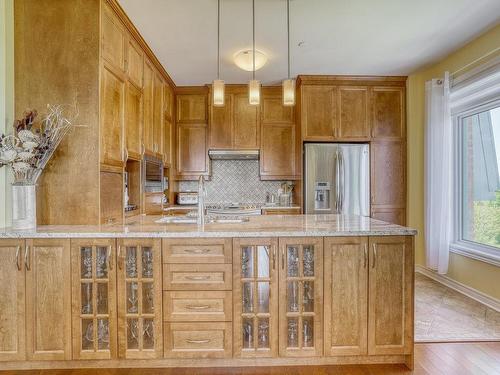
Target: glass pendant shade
<point>218,92</point>
<point>289,92</point>
<point>254,92</point>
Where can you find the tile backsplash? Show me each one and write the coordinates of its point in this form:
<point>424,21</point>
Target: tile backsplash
<point>234,181</point>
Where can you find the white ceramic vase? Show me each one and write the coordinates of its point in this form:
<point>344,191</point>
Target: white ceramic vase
<point>23,206</point>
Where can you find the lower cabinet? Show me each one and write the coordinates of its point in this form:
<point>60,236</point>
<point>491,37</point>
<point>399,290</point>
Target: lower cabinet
<point>12,300</point>
<point>390,295</point>
<point>48,299</point>
<point>139,298</point>
<point>346,296</point>
<point>94,298</point>
<point>255,295</point>
<point>301,297</point>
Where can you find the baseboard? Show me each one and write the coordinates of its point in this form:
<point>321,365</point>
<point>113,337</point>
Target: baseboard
<point>459,287</point>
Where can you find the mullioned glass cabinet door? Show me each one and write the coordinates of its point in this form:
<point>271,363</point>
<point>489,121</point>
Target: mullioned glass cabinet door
<point>255,297</point>
<point>301,291</point>
<point>139,298</point>
<point>94,299</point>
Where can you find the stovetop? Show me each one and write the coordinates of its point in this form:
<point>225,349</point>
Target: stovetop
<point>240,209</point>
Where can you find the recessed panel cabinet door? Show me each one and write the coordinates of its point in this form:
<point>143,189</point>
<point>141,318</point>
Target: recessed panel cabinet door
<point>353,113</point>
<point>388,112</point>
<point>255,296</point>
<point>192,152</point>
<point>221,125</point>
<point>148,94</point>
<point>133,121</point>
<point>48,299</point>
<point>12,300</point>
<point>246,129</point>
<point>346,295</point>
<point>301,297</point>
<point>139,299</point>
<point>112,117</point>
<point>319,112</point>
<point>390,319</point>
<point>157,112</point>
<point>94,299</point>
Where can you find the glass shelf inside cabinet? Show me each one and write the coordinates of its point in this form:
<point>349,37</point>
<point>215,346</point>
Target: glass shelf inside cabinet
<point>300,298</point>
<point>140,297</point>
<point>94,297</point>
<point>255,295</point>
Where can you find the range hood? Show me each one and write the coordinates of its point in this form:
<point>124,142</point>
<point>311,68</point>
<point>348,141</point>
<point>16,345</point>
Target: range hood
<point>233,154</point>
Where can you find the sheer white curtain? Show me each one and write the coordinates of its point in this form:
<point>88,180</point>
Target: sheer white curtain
<point>438,173</point>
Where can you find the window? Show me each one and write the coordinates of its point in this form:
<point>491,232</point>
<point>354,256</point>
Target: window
<point>480,171</point>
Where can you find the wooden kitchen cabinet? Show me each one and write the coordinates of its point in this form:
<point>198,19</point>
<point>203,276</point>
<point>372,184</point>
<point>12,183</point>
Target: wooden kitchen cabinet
<point>255,297</point>
<point>391,295</point>
<point>157,113</point>
<point>113,38</point>
<point>301,297</point>
<point>346,296</point>
<point>388,180</point>
<point>236,124</point>
<point>133,121</point>
<point>139,298</point>
<point>112,117</point>
<point>168,146</point>
<point>192,107</point>
<point>48,299</point>
<point>111,197</point>
<point>94,298</point>
<point>148,109</point>
<point>354,116</point>
<point>12,300</point>
<point>135,63</point>
<point>319,112</point>
<point>388,112</point>
<point>280,143</point>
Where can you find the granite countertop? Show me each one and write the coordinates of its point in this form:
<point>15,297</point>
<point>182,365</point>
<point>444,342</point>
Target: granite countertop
<point>257,226</point>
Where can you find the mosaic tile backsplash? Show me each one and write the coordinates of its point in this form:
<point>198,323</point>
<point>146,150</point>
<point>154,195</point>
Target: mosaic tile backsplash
<point>234,181</point>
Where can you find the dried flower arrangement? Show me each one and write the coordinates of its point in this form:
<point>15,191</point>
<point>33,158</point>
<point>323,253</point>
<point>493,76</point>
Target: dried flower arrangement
<point>29,149</point>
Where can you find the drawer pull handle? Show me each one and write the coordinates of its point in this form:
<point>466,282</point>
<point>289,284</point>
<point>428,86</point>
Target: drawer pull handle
<point>198,341</point>
<point>197,307</point>
<point>27,264</point>
<point>198,278</point>
<point>197,251</point>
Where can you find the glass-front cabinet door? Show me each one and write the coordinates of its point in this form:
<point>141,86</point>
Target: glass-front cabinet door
<point>255,296</point>
<point>300,291</point>
<point>94,298</point>
<point>139,298</point>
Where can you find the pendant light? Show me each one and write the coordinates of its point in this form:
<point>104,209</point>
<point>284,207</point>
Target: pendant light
<point>288,84</point>
<point>253,85</point>
<point>218,84</point>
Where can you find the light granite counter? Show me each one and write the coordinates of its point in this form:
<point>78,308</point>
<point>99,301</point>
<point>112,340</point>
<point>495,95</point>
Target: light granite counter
<point>257,226</point>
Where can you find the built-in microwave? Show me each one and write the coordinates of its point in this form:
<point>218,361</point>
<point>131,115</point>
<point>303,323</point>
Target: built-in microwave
<point>153,174</point>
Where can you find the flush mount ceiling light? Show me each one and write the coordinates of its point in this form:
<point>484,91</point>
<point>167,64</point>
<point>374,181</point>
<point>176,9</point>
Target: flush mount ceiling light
<point>218,84</point>
<point>244,59</point>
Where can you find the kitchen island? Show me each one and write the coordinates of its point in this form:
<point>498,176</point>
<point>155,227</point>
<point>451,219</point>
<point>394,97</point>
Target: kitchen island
<point>276,290</point>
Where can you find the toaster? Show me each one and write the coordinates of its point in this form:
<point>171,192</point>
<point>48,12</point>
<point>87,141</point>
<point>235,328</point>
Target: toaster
<point>187,198</point>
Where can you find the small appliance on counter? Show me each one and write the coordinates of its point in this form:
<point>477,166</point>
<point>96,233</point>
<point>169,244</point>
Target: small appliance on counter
<point>187,198</point>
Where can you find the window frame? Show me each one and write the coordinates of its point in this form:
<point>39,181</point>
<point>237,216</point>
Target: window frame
<point>459,245</point>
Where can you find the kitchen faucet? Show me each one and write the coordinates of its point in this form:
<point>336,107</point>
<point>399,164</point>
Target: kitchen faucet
<point>201,201</point>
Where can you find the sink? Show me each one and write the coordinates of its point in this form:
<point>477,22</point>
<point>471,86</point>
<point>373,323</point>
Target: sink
<point>208,220</point>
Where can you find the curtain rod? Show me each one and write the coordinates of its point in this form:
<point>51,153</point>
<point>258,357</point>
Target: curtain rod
<point>485,56</point>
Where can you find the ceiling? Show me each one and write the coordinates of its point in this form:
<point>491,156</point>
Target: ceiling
<point>363,37</point>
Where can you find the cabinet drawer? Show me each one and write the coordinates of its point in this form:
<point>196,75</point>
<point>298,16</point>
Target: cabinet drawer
<point>192,250</point>
<point>197,306</point>
<point>197,276</point>
<point>198,340</point>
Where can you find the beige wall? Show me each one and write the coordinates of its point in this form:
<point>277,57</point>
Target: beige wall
<point>478,275</point>
<point>6,94</point>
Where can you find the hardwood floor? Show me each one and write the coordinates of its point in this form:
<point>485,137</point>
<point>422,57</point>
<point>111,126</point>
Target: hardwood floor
<point>430,359</point>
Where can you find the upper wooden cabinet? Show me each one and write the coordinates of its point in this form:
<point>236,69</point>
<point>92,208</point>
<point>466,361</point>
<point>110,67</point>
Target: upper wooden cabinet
<point>353,123</point>
<point>157,113</point>
<point>112,117</point>
<point>236,124</point>
<point>148,98</point>
<point>390,306</point>
<point>192,108</point>
<point>113,38</point>
<point>319,112</point>
<point>48,299</point>
<point>12,301</point>
<point>133,121</point>
<point>135,63</point>
<point>388,112</point>
<point>191,133</point>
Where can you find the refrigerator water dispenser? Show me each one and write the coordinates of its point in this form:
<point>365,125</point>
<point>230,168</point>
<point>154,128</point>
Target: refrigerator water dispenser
<point>322,196</point>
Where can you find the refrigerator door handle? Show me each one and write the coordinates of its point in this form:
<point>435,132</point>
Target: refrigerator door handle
<point>341,181</point>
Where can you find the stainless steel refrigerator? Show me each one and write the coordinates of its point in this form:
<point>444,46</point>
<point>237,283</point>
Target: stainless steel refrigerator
<point>337,178</point>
